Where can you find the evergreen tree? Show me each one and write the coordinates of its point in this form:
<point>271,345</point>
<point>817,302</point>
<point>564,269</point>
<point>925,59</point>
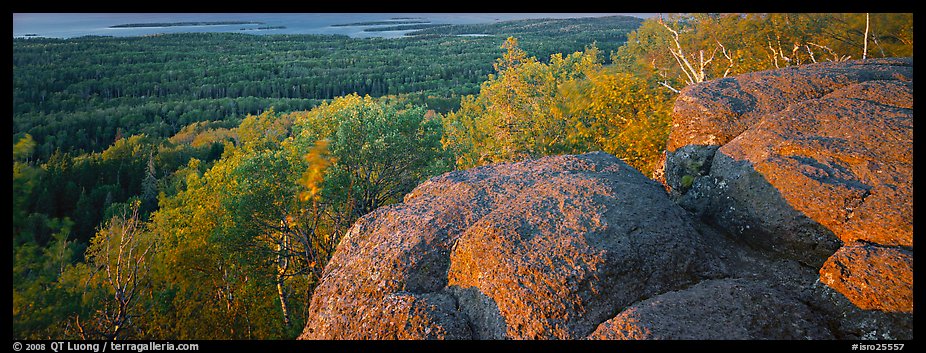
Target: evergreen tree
<point>149,188</point>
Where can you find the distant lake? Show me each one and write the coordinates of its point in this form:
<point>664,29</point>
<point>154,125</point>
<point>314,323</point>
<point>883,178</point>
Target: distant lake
<point>62,25</point>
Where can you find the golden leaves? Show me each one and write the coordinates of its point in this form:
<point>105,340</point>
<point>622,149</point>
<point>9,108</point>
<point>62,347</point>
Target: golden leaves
<point>571,105</point>
<point>319,160</point>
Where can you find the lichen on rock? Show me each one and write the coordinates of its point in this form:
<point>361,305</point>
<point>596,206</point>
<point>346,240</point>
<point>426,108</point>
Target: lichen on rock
<point>788,216</point>
<point>547,248</point>
<point>812,163</point>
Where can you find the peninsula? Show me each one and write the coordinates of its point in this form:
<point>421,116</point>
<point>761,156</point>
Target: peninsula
<point>185,24</point>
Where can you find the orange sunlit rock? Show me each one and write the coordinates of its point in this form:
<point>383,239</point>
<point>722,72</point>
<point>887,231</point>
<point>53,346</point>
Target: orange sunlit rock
<point>538,249</point>
<point>872,277</point>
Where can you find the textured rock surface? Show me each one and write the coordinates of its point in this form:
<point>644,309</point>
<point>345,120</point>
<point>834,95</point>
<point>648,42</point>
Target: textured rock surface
<point>837,147</point>
<point>798,189</point>
<point>540,249</point>
<point>807,160</point>
<point>846,163</point>
<point>849,322</point>
<point>717,111</point>
<point>717,310</point>
<point>872,277</point>
<point>713,113</point>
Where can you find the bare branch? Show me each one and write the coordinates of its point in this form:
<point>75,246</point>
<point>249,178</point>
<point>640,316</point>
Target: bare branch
<point>125,268</point>
<point>666,85</point>
<point>865,49</point>
<point>811,53</point>
<point>680,57</point>
<point>836,57</point>
<point>729,59</point>
<point>774,53</point>
<point>780,51</point>
<point>794,55</point>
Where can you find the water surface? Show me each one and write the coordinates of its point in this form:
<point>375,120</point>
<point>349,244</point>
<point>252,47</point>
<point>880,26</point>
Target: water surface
<point>69,25</point>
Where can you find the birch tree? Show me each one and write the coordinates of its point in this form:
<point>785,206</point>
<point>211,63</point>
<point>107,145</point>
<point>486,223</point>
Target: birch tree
<point>120,262</point>
<point>695,65</point>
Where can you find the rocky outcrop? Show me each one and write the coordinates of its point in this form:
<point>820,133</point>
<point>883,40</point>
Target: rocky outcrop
<point>812,163</point>
<point>727,309</point>
<point>835,150</point>
<point>540,249</point>
<point>789,216</point>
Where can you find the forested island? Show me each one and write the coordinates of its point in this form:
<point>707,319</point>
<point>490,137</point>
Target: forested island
<point>397,21</point>
<point>262,28</point>
<point>404,27</point>
<point>185,24</point>
<point>195,185</point>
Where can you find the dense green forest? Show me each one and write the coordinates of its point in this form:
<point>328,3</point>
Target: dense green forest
<point>194,185</point>
<point>80,94</point>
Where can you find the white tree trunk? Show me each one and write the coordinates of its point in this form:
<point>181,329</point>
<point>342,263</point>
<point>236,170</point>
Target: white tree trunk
<point>865,48</point>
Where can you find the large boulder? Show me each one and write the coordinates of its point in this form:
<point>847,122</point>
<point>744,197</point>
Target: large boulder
<point>798,189</point>
<point>812,163</point>
<point>548,248</point>
<point>724,309</point>
<point>715,112</point>
<point>836,147</point>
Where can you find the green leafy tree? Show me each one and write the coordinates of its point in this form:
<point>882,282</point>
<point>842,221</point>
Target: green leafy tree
<point>41,301</point>
<point>25,177</point>
<point>256,229</point>
<point>620,114</point>
<point>149,187</point>
<point>380,151</point>
<point>518,113</point>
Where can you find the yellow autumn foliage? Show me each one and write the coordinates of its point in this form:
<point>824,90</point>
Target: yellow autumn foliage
<point>570,105</point>
<point>318,160</point>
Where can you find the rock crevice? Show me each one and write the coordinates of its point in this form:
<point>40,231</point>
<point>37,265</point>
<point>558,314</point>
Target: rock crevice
<point>788,216</point>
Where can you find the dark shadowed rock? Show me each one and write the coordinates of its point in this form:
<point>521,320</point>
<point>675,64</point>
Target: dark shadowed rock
<point>687,164</point>
<point>737,198</point>
<point>807,159</point>
<point>727,309</point>
<point>837,147</point>
<point>849,322</point>
<point>540,249</point>
<point>798,187</point>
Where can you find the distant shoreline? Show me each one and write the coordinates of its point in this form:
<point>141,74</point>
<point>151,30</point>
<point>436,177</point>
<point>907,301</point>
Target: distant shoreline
<point>262,28</point>
<point>65,26</point>
<point>382,23</point>
<point>405,27</point>
<point>185,24</point>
